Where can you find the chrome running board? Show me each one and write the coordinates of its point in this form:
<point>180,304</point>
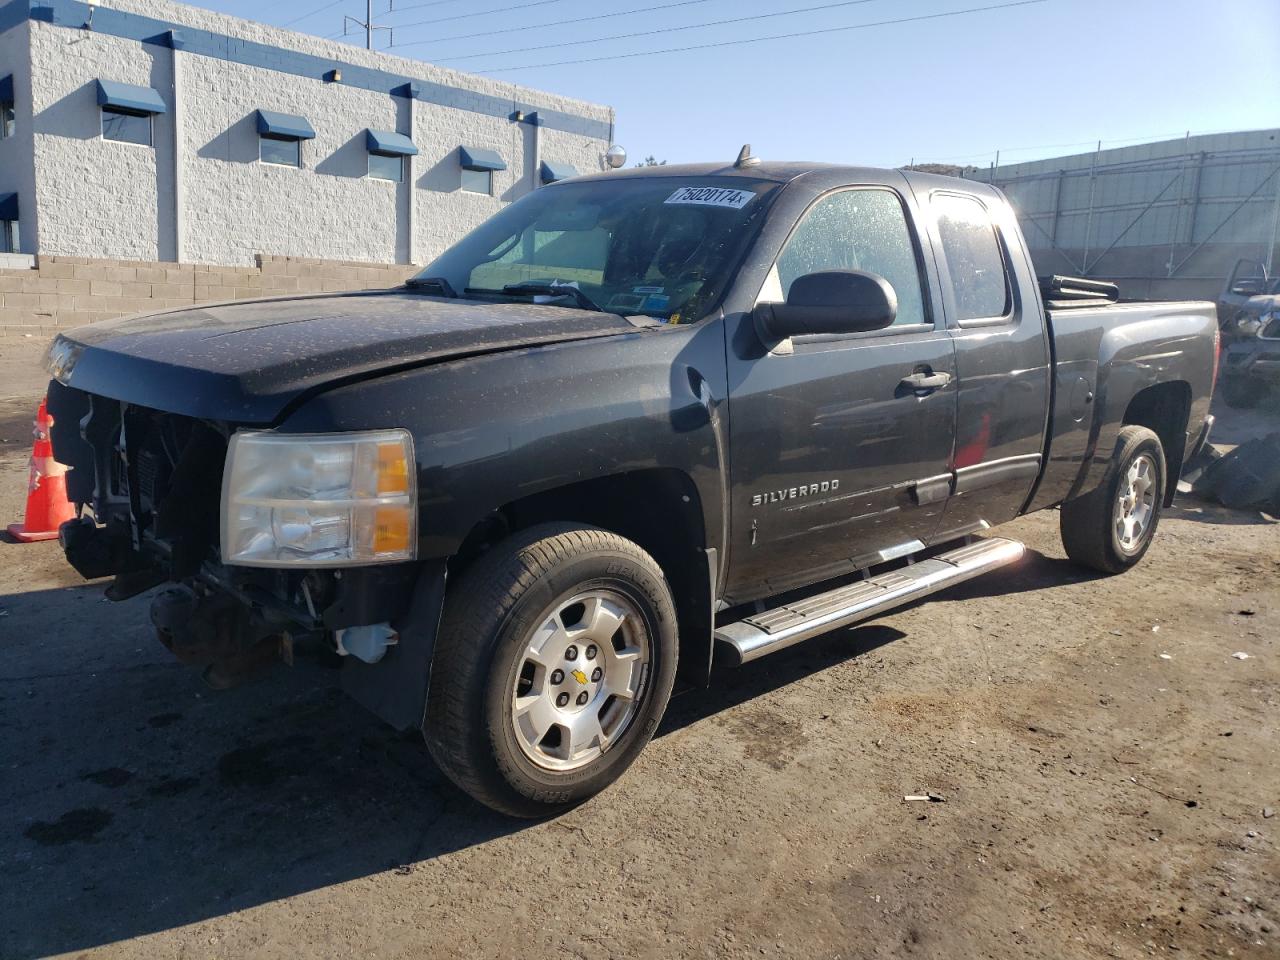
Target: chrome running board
<point>772,630</point>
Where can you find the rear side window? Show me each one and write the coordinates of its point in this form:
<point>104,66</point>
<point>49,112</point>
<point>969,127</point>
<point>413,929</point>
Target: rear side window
<point>972,250</point>
<point>854,230</point>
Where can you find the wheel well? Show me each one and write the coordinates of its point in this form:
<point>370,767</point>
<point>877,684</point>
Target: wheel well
<point>1164,409</point>
<point>658,509</point>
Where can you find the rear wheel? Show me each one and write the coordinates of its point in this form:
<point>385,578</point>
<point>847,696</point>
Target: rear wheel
<point>1111,528</point>
<point>554,664</point>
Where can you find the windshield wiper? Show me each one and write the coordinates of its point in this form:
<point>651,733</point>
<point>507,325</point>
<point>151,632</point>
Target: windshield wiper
<point>551,288</point>
<point>440,283</point>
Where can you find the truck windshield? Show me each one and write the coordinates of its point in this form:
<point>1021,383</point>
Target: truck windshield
<point>660,246</point>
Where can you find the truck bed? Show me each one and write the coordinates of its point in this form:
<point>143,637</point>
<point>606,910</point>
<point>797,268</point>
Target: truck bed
<point>1106,352</point>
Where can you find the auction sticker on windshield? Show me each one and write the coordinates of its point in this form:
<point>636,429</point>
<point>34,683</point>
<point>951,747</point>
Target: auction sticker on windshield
<point>712,197</point>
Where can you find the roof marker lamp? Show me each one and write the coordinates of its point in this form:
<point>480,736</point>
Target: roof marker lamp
<point>319,500</point>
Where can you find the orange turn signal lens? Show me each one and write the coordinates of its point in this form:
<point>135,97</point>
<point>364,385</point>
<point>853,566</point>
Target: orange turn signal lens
<point>393,469</point>
<point>391,530</point>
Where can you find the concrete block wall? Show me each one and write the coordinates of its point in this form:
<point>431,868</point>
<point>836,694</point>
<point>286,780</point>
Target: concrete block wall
<point>62,292</point>
<point>199,193</point>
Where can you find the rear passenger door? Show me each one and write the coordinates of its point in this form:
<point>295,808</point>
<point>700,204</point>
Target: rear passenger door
<point>837,462</point>
<point>1002,359</point>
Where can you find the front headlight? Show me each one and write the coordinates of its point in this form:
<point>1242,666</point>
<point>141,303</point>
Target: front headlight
<point>1249,325</point>
<point>319,500</point>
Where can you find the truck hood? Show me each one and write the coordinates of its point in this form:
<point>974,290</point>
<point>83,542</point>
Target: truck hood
<point>246,362</point>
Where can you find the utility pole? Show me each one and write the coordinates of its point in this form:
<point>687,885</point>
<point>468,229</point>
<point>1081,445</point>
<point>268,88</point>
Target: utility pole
<point>368,25</point>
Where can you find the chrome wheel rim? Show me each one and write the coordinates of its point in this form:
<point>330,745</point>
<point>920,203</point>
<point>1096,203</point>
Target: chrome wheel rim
<point>1136,504</point>
<point>580,680</point>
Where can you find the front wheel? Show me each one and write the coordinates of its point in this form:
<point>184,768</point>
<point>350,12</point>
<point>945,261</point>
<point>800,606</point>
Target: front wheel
<point>553,666</point>
<point>1111,528</point>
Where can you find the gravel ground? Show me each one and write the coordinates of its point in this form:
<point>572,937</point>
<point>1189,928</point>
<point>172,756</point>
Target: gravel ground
<point>1104,760</point>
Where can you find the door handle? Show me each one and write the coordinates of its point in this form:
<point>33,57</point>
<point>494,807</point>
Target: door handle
<point>926,381</point>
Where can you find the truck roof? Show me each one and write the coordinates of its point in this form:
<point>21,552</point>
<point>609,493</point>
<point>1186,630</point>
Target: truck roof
<point>783,171</point>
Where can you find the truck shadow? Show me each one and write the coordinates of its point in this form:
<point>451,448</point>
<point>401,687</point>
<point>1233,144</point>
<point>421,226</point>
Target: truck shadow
<point>1206,511</point>
<point>137,801</point>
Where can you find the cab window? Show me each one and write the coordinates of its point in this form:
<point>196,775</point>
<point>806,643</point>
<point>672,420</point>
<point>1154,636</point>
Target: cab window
<point>854,230</point>
<point>979,283</point>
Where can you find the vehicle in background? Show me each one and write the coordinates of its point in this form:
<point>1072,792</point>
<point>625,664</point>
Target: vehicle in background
<point>633,423</point>
<point>1249,295</point>
<point>1249,315</point>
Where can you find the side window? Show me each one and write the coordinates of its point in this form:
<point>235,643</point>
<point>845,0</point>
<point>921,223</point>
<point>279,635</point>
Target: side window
<point>972,250</point>
<point>854,230</point>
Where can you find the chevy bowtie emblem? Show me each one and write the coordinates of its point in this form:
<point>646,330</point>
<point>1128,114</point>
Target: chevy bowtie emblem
<point>580,677</point>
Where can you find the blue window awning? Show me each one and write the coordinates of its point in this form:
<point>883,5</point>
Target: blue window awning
<point>386,141</point>
<point>284,126</point>
<point>125,96</point>
<point>6,89</point>
<point>477,158</point>
<point>552,172</point>
<point>8,206</point>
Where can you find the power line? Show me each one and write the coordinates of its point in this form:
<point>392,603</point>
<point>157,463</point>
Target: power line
<point>419,6</point>
<point>779,36</point>
<point>327,6</point>
<point>552,23</point>
<point>467,16</point>
<point>650,33</point>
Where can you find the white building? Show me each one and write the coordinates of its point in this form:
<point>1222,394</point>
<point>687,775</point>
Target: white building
<point>146,131</point>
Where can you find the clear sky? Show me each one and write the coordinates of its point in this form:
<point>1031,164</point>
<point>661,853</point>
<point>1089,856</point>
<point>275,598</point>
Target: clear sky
<point>1039,79</point>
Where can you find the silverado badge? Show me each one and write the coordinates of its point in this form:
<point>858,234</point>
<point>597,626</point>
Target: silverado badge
<point>792,493</point>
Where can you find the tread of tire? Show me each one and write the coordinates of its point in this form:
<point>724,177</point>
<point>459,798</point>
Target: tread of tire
<point>1085,536</point>
<point>494,584</point>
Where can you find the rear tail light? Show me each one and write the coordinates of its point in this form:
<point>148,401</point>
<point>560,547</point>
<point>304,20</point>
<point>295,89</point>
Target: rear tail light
<point>1217,359</point>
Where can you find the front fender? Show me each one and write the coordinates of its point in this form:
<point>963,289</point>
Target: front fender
<point>497,428</point>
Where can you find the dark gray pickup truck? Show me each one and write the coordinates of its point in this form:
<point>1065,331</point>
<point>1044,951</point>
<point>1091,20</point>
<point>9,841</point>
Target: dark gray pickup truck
<point>633,423</point>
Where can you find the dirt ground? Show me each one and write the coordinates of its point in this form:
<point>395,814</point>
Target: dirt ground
<point>1104,761</point>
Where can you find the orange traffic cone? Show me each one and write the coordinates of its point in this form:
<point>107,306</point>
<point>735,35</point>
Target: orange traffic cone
<point>47,503</point>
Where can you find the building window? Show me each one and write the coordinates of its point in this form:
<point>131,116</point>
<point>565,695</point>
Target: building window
<point>280,137</point>
<point>553,172</point>
<point>282,151</point>
<point>127,111</point>
<point>6,107</point>
<point>387,153</point>
<point>127,126</point>
<point>386,166</point>
<point>9,236</point>
<point>478,165</point>
<point>478,181</point>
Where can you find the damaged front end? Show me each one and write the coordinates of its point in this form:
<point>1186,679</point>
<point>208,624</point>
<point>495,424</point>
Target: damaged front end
<point>148,487</point>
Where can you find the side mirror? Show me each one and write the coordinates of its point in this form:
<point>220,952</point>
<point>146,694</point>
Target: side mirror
<point>831,301</point>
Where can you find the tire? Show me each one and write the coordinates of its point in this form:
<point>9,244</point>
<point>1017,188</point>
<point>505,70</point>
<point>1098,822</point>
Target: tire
<point>1241,392</point>
<point>523,597</point>
<point>1094,528</point>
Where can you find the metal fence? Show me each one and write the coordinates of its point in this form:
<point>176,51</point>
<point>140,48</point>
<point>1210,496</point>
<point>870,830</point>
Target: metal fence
<point>1164,220</point>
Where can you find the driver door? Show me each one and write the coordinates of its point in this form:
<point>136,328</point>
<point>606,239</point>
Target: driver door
<point>838,461</point>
